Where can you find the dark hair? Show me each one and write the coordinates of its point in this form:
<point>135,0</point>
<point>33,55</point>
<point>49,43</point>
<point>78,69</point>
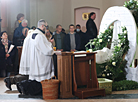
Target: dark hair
<point>33,27</point>
<point>2,33</point>
<point>58,25</point>
<point>71,25</point>
<point>19,16</point>
<point>92,13</point>
<point>78,25</point>
<point>63,30</point>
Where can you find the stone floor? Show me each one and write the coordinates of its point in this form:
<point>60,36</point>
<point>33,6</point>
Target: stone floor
<point>117,96</point>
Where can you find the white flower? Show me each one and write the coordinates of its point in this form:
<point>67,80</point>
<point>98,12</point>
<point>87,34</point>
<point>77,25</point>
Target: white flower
<point>90,50</point>
<point>107,74</point>
<point>125,31</point>
<point>105,70</point>
<point>124,36</point>
<point>114,63</point>
<point>108,40</point>
<point>110,73</point>
<point>93,43</point>
<point>119,45</point>
<point>100,40</point>
<point>109,36</point>
<point>111,27</point>
<point>98,36</point>
<point>119,41</point>
<point>103,32</point>
<point>130,0</point>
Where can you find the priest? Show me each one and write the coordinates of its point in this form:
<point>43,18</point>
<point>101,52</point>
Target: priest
<point>41,51</point>
<point>36,61</point>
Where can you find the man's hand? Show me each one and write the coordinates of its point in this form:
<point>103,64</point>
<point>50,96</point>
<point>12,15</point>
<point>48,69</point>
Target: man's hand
<point>7,55</point>
<point>59,49</point>
<point>73,50</point>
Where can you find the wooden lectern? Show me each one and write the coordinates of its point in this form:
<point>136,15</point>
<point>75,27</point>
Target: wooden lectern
<point>84,74</point>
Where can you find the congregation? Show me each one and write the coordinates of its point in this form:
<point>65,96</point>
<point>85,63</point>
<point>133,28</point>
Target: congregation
<point>25,36</point>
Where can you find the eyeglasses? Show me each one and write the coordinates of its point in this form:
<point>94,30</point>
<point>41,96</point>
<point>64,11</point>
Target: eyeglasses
<point>48,32</point>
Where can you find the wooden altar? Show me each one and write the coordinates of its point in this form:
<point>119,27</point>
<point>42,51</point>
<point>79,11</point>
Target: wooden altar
<point>78,71</point>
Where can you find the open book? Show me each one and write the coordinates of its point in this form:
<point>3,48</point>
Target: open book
<point>10,49</point>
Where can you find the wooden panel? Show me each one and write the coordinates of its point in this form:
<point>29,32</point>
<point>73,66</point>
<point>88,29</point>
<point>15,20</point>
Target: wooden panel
<point>19,53</point>
<point>85,74</point>
<point>65,75</point>
<point>80,72</point>
<point>94,74</point>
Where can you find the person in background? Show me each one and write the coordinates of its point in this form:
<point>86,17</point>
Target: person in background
<point>18,36</point>
<point>20,17</point>
<point>25,31</point>
<point>91,32</point>
<point>63,31</point>
<point>82,36</point>
<point>24,64</point>
<point>59,38</point>
<point>6,62</point>
<point>59,44</point>
<point>72,40</point>
<point>49,37</point>
<point>33,27</point>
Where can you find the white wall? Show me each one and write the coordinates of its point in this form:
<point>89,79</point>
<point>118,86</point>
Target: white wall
<point>53,11</point>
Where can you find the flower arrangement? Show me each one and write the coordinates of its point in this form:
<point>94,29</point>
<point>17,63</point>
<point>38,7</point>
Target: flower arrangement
<point>115,66</point>
<point>102,40</point>
<point>133,6</point>
<point>117,63</point>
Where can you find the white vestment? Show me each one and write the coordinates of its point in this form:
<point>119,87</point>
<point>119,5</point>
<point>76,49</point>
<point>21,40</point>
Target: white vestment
<point>41,63</point>
<point>24,68</point>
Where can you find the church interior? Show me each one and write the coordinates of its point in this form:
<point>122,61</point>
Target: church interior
<point>68,50</point>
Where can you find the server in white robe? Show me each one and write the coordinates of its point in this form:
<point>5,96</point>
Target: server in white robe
<point>24,68</point>
<point>41,63</point>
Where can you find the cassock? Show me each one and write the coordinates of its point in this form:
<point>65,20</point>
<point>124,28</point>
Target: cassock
<point>41,62</point>
<point>25,57</point>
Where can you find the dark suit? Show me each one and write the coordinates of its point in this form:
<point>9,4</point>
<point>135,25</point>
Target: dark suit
<point>91,30</point>
<point>67,42</point>
<point>18,36</point>
<point>82,38</point>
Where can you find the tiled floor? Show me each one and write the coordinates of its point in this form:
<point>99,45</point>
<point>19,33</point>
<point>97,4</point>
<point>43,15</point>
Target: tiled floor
<point>12,96</point>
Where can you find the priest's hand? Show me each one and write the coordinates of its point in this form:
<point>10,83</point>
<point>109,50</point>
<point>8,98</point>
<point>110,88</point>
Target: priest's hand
<point>7,55</point>
<point>51,40</point>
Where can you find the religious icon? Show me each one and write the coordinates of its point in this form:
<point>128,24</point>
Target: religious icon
<point>85,16</point>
